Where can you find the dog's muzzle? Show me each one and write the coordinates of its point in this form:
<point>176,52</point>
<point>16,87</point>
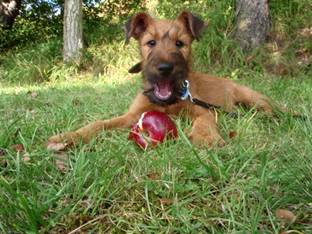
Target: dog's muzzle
<point>165,78</point>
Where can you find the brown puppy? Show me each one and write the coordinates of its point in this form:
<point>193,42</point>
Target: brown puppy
<point>165,47</point>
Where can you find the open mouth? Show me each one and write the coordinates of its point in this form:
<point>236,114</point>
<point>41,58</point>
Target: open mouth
<point>163,90</point>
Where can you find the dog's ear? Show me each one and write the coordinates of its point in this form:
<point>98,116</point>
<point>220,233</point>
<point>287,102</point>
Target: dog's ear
<point>136,68</point>
<point>194,25</point>
<point>137,25</point>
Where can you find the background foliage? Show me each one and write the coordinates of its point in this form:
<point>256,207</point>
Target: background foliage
<point>285,53</point>
<point>41,20</point>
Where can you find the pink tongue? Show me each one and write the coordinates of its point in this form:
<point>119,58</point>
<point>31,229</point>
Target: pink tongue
<point>163,90</point>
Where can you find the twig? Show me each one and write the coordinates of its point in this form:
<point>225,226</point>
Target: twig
<point>87,223</point>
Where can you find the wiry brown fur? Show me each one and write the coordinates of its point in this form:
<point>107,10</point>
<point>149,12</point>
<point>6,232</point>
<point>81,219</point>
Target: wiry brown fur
<point>213,90</point>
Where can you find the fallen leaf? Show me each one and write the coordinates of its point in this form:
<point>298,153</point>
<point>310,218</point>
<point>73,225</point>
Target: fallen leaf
<point>18,147</point>
<point>165,201</point>
<point>232,134</point>
<point>153,176</point>
<point>285,215</point>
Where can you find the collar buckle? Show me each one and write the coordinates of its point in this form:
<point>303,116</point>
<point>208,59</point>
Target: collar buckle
<point>185,93</point>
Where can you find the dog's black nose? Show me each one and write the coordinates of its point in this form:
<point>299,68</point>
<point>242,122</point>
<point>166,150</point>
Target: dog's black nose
<point>165,68</point>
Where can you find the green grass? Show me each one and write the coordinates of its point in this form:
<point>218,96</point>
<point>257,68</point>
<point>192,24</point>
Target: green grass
<point>232,189</point>
<point>110,185</point>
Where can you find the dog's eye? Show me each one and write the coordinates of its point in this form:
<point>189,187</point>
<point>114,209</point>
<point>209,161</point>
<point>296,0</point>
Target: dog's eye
<point>179,44</point>
<point>151,43</point>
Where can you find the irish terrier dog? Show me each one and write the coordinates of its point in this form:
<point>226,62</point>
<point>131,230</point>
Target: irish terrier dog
<point>170,85</point>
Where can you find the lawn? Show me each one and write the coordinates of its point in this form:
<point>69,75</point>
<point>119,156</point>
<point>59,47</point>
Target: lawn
<point>110,185</point>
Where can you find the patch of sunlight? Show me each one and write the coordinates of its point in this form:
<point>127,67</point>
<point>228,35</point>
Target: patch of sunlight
<point>101,82</point>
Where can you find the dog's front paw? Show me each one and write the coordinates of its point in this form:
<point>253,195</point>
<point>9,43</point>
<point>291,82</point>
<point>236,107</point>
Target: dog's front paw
<point>204,140</point>
<point>62,141</point>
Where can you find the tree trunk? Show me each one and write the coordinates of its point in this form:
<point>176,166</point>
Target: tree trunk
<point>73,42</point>
<point>9,9</point>
<point>252,23</point>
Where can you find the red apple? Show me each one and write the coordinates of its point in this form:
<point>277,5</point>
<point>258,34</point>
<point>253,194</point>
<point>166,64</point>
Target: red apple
<point>152,128</point>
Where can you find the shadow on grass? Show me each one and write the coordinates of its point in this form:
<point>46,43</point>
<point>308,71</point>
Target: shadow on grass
<point>39,62</point>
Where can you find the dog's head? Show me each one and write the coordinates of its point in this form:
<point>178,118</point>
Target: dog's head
<point>165,47</point>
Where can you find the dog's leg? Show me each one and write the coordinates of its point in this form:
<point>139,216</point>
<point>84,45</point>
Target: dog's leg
<point>86,133</point>
<point>253,99</point>
<point>204,130</point>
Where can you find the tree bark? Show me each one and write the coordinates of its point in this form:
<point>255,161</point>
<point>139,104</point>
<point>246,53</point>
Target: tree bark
<point>9,10</point>
<point>73,42</point>
<point>252,23</point>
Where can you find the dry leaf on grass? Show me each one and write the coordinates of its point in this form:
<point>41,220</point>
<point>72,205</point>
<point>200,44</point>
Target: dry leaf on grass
<point>285,215</point>
<point>232,134</point>
<point>153,175</point>
<point>18,147</point>
<point>165,201</point>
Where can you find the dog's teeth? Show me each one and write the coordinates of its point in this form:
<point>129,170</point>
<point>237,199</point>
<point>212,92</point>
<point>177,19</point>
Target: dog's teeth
<point>162,93</point>
<point>163,97</point>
